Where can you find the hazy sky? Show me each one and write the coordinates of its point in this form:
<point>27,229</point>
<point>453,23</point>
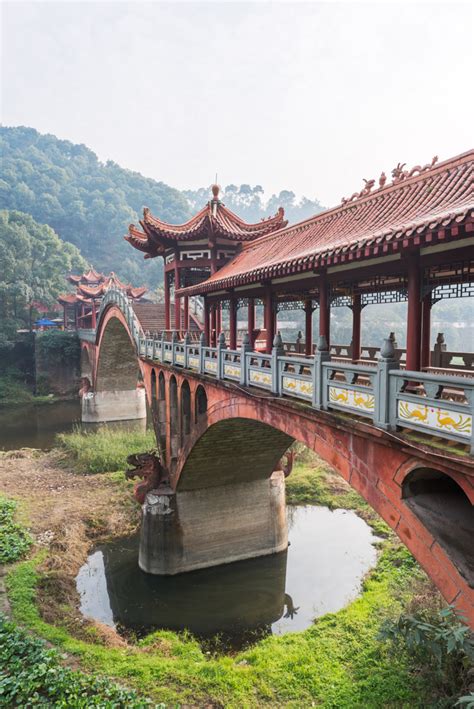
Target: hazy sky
<point>306,96</point>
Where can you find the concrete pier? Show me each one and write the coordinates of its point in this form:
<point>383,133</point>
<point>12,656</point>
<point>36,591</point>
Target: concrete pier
<point>102,406</point>
<point>194,529</point>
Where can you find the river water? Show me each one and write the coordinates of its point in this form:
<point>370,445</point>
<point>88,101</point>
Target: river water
<point>329,554</point>
<point>36,426</point>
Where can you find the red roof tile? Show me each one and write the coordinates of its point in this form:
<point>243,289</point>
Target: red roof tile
<point>437,197</point>
<point>214,220</point>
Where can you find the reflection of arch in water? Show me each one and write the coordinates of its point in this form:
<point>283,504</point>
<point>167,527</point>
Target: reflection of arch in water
<point>446,511</point>
<point>235,597</point>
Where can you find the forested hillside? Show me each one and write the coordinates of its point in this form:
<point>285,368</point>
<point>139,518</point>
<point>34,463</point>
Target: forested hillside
<point>88,203</point>
<point>250,202</point>
<point>33,263</point>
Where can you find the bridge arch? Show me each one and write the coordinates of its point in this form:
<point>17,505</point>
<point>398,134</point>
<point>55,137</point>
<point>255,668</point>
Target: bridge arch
<point>200,404</point>
<point>444,508</point>
<point>86,364</point>
<point>161,423</point>
<point>174,418</point>
<point>185,411</point>
<point>118,364</point>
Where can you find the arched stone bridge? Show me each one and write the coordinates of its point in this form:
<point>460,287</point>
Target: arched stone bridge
<point>223,420</point>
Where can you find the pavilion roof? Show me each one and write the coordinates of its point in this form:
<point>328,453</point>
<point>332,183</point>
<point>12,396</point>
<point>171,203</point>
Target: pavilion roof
<point>90,276</point>
<point>84,293</point>
<point>379,222</point>
<point>213,221</point>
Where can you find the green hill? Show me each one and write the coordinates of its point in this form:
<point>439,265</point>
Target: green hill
<point>88,203</point>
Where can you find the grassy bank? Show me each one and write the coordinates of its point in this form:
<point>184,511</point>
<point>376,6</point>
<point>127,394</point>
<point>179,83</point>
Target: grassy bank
<point>338,662</point>
<point>14,391</point>
<point>312,482</point>
<point>104,450</point>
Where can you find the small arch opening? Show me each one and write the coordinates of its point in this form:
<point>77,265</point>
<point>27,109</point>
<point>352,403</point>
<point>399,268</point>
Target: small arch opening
<point>200,404</point>
<point>446,511</point>
<point>161,414</point>
<point>174,417</point>
<point>185,411</point>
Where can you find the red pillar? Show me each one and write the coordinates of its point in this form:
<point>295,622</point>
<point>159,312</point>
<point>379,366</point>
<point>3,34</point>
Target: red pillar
<point>213,325</point>
<point>269,320</point>
<point>167,302</point>
<point>233,324</point>
<point>356,311</point>
<point>251,320</point>
<point>186,313</point>
<point>324,308</point>
<point>308,330</point>
<point>218,320</point>
<point>94,321</point>
<point>177,301</point>
<point>76,315</point>
<point>207,322</point>
<point>426,331</point>
<point>414,315</point>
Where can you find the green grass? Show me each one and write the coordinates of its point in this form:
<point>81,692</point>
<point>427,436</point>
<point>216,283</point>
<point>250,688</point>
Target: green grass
<point>14,539</point>
<point>338,662</point>
<point>104,450</point>
<point>309,484</point>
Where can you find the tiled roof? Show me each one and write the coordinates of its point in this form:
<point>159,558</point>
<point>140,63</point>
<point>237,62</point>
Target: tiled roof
<point>379,222</point>
<point>85,292</point>
<point>213,221</point>
<point>91,276</point>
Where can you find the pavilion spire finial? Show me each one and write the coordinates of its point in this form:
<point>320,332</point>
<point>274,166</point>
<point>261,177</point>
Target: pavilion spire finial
<point>215,189</point>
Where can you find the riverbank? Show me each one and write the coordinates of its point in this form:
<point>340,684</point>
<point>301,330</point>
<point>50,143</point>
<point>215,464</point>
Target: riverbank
<point>338,662</point>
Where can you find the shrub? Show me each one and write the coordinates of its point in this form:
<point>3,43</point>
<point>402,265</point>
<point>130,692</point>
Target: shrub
<point>14,539</point>
<point>442,647</point>
<point>32,675</point>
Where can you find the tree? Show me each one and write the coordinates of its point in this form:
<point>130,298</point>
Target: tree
<point>87,203</point>
<point>33,265</point>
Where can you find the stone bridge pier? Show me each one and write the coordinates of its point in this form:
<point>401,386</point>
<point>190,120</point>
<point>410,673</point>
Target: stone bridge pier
<point>225,499</point>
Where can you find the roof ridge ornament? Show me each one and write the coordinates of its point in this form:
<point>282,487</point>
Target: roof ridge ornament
<point>398,175</point>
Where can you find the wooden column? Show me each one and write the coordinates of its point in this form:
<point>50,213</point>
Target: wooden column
<point>324,308</point>
<point>251,320</point>
<point>218,320</point>
<point>426,331</point>
<point>177,301</point>
<point>76,315</point>
<point>414,314</point>
<point>356,312</point>
<point>186,313</point>
<point>65,317</point>
<point>207,322</point>
<point>308,328</point>
<point>269,321</point>
<point>213,325</point>
<point>94,321</point>
<point>167,302</point>
<point>233,323</point>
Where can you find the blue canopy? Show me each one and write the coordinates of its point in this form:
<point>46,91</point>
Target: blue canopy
<point>45,322</point>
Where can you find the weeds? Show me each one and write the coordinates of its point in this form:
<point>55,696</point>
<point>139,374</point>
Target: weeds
<point>104,450</point>
<point>14,539</point>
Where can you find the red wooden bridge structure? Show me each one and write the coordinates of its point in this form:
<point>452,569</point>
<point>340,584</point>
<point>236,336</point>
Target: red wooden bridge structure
<point>398,426</point>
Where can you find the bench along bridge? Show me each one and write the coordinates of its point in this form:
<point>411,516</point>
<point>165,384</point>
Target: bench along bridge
<point>397,427</point>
